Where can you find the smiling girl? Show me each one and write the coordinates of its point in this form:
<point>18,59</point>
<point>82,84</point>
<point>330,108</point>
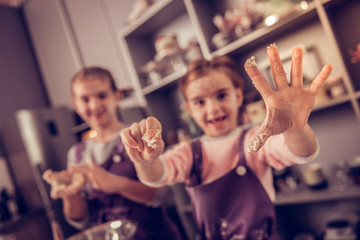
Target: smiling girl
<point>227,171</point>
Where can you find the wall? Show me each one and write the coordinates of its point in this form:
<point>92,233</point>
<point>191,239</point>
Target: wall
<point>21,82</point>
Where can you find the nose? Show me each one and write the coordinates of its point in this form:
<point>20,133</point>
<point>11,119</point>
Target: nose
<point>93,103</point>
<point>213,106</point>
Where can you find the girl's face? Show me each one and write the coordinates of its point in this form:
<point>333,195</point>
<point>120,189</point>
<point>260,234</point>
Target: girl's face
<point>213,102</point>
<point>95,102</point>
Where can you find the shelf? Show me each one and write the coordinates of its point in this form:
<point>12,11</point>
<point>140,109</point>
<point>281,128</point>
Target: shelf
<point>331,193</point>
<point>156,16</point>
<point>258,35</point>
<point>333,3</point>
<point>164,82</point>
<point>140,35</point>
<point>332,102</point>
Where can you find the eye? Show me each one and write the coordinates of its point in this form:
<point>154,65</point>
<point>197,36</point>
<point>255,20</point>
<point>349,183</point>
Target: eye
<point>222,95</point>
<point>85,99</point>
<point>199,102</point>
<point>102,95</point>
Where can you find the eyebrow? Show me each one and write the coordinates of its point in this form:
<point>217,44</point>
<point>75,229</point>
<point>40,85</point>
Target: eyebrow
<point>216,92</point>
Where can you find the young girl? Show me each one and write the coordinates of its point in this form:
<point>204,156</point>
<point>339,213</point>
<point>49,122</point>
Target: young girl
<point>227,171</point>
<point>114,191</point>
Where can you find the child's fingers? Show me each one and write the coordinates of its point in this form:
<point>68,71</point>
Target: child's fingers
<point>152,137</point>
<point>128,139</point>
<point>142,127</point>
<point>47,175</point>
<point>134,154</point>
<point>75,186</point>
<point>318,82</point>
<point>79,169</point>
<point>153,123</point>
<point>93,181</point>
<point>277,68</point>
<point>258,79</point>
<point>55,194</point>
<point>135,132</point>
<point>296,68</point>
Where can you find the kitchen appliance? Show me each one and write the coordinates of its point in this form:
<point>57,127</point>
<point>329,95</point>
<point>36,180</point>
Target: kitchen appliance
<point>339,229</point>
<point>314,177</point>
<point>33,141</point>
<point>354,169</point>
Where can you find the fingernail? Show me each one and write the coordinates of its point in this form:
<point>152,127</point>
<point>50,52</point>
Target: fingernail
<point>297,51</point>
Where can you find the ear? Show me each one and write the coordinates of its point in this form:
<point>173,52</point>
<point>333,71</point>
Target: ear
<point>239,97</point>
<point>118,95</point>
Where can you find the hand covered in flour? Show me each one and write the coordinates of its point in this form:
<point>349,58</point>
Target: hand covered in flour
<point>143,141</point>
<point>288,107</point>
<point>65,182</point>
<point>100,179</point>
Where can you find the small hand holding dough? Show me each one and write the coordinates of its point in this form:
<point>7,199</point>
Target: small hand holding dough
<point>64,182</point>
<point>143,140</point>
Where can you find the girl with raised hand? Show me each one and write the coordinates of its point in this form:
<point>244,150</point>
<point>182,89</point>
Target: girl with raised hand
<point>227,171</point>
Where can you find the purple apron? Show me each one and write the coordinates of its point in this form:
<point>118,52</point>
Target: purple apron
<point>235,206</point>
<point>152,223</point>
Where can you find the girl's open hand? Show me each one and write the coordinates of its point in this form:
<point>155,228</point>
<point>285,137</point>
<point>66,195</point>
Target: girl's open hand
<point>143,141</point>
<point>289,106</point>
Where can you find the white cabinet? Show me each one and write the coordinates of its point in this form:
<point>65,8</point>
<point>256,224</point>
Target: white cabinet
<point>70,34</point>
<point>95,34</point>
<point>55,47</point>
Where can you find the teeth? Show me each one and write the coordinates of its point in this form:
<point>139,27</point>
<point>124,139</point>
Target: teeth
<point>217,119</point>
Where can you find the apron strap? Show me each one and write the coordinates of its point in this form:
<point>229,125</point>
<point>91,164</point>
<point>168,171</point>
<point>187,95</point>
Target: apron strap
<point>196,170</point>
<point>242,160</point>
<point>79,149</point>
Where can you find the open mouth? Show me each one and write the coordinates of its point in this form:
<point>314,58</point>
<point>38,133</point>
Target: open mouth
<point>217,120</point>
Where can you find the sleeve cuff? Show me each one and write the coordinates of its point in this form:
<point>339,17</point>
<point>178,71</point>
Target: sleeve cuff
<point>157,183</point>
<point>79,224</point>
<point>302,160</point>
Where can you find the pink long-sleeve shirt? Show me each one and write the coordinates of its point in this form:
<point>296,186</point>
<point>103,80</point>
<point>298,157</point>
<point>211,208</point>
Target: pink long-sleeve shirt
<point>220,155</point>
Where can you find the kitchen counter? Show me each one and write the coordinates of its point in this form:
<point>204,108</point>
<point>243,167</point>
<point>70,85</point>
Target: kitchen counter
<point>333,192</point>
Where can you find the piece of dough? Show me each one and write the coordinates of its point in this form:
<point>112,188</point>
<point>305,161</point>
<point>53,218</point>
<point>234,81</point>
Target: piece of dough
<point>153,141</point>
<point>63,182</point>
